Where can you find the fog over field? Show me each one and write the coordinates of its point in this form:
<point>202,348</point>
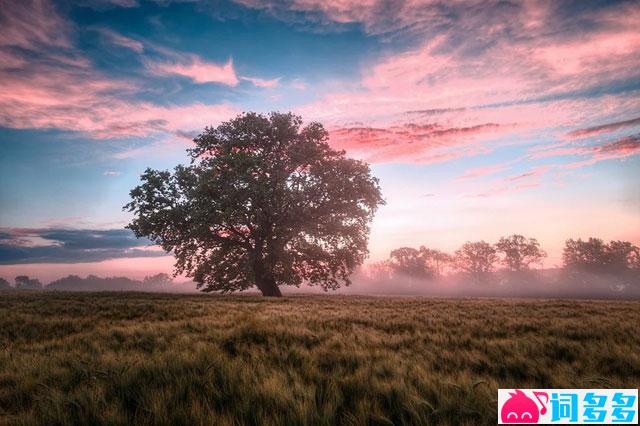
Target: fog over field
<point>538,284</point>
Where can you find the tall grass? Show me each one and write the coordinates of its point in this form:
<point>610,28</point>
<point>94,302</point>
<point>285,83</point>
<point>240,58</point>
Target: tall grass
<point>106,358</point>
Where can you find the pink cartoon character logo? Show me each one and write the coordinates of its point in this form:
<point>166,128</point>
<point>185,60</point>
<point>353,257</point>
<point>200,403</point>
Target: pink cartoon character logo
<point>519,408</point>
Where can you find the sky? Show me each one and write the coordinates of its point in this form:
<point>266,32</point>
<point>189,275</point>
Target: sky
<point>480,118</point>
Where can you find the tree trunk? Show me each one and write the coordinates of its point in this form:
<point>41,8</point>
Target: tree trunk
<point>269,288</point>
<point>264,281</point>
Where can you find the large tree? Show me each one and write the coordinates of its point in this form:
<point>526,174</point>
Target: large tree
<point>264,202</point>
<point>519,252</point>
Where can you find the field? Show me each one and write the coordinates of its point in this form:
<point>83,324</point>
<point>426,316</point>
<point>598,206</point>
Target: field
<point>108,358</point>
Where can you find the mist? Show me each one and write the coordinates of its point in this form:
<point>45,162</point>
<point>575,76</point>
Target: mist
<point>546,283</point>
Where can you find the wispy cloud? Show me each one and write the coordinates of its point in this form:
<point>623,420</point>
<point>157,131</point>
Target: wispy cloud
<point>514,80</point>
<point>414,142</point>
<point>583,156</point>
<point>604,128</point>
<point>373,15</point>
<point>624,146</point>
<point>201,71</point>
<point>613,149</point>
<point>298,84</point>
<point>574,157</point>
<point>260,82</point>
<point>515,183</point>
<point>506,189</point>
<point>120,40</point>
<point>193,67</point>
<point>538,171</point>
<point>482,171</point>
<point>45,82</point>
<point>32,24</point>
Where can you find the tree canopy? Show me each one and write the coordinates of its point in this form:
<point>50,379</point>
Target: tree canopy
<point>409,261</point>
<point>595,255</point>
<point>436,260</point>
<point>157,280</point>
<point>519,252</point>
<point>419,263</point>
<point>476,258</point>
<point>265,201</point>
<point>26,283</point>
<point>4,284</point>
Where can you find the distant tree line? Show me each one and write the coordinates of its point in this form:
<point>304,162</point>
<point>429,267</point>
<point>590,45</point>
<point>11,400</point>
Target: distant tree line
<point>515,253</point>
<point>156,283</point>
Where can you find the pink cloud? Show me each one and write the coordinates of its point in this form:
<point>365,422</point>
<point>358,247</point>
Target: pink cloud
<point>523,85</point>
<point>298,84</point>
<point>604,51</point>
<point>613,150</point>
<point>120,40</point>
<point>482,171</point>
<point>619,148</point>
<point>55,86</point>
<point>260,82</point>
<point>199,71</point>
<point>507,189</point>
<point>397,132</point>
<point>557,152</point>
<point>422,143</point>
<point>436,77</point>
<point>625,146</point>
<point>604,128</point>
<point>76,98</point>
<point>31,23</point>
<point>511,184</point>
<point>533,173</point>
<point>372,14</point>
<point>485,87</point>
